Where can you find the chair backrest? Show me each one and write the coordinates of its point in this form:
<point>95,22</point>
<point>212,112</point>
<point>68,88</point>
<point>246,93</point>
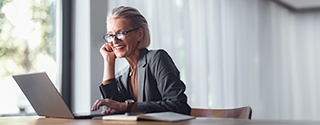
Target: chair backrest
<point>240,113</point>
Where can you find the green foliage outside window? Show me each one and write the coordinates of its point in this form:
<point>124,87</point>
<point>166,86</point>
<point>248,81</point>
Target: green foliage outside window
<point>27,42</point>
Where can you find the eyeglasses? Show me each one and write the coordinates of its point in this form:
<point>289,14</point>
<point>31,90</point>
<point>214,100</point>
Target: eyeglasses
<point>119,35</point>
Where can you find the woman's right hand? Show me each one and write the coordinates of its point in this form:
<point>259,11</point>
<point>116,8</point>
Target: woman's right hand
<point>107,52</point>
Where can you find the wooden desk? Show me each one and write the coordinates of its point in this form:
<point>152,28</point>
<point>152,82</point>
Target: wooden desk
<point>34,120</point>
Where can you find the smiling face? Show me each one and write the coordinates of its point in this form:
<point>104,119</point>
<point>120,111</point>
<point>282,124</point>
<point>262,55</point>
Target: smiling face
<point>129,43</point>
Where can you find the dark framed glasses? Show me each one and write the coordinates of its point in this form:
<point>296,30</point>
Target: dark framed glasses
<point>119,35</point>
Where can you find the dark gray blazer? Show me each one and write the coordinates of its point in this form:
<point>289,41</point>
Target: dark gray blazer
<point>159,85</point>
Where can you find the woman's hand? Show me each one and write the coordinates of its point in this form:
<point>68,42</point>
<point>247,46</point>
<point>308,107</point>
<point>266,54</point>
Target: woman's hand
<point>113,106</point>
<point>109,62</point>
<point>107,52</point>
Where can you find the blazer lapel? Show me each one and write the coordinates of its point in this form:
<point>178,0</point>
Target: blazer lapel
<point>142,69</point>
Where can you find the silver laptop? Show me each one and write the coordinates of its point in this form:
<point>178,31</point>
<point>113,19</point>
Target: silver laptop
<point>44,97</point>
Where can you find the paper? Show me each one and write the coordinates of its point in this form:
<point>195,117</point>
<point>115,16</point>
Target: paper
<point>121,117</point>
<point>160,116</point>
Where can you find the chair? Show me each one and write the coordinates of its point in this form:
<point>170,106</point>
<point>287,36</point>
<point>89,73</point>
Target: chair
<point>239,113</point>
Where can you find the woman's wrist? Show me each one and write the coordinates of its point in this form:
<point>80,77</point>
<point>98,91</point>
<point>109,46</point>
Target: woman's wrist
<point>109,59</point>
<point>129,104</point>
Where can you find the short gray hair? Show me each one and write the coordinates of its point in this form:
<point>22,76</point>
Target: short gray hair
<point>136,20</point>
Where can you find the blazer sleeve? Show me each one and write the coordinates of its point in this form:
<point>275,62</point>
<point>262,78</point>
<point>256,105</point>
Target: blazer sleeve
<point>169,85</point>
<point>113,90</point>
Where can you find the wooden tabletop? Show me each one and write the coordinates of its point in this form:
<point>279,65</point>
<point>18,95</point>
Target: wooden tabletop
<point>35,120</point>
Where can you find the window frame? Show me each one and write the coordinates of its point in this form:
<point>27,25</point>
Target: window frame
<point>66,52</point>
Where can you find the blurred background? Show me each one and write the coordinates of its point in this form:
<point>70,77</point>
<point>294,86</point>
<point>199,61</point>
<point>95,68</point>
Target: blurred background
<point>27,44</point>
<point>230,53</point>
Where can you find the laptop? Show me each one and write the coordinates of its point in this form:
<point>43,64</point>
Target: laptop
<point>44,97</point>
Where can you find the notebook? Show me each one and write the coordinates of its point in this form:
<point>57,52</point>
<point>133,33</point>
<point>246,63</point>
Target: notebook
<point>158,116</point>
<point>44,97</point>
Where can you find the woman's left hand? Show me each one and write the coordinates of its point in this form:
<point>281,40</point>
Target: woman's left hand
<point>113,106</point>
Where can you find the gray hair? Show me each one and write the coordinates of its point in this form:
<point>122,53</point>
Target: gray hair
<point>136,20</point>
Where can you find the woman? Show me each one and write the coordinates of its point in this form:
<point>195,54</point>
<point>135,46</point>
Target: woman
<point>151,83</point>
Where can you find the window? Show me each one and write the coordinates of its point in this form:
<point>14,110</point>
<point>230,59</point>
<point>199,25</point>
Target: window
<point>28,43</point>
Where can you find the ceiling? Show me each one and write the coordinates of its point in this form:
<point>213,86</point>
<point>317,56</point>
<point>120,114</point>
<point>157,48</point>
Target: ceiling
<point>300,4</point>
